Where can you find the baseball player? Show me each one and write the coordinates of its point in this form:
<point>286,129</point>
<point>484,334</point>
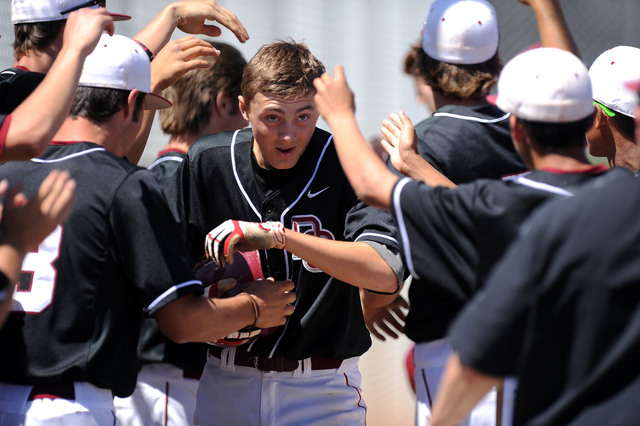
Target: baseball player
<point>451,237</point>
<point>559,313</point>
<point>205,101</point>
<point>284,173</point>
<point>465,138</point>
<point>76,315</point>
<point>26,132</point>
<point>39,27</point>
<point>612,134</point>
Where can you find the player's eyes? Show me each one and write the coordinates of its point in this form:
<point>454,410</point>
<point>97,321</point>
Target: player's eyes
<point>303,117</point>
<point>271,118</point>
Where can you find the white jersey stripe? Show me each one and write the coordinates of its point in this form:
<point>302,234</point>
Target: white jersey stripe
<point>68,157</point>
<point>525,181</point>
<point>467,118</point>
<point>163,159</point>
<point>402,227</point>
<point>235,174</point>
<point>170,291</point>
<point>374,234</point>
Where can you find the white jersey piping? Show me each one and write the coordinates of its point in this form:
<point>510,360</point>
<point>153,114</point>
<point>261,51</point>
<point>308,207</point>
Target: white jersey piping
<point>170,291</point>
<point>163,159</point>
<point>467,118</point>
<point>68,157</point>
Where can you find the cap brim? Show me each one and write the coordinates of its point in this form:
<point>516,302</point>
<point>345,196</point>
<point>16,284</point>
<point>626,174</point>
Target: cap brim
<point>153,101</point>
<point>634,85</point>
<point>119,16</point>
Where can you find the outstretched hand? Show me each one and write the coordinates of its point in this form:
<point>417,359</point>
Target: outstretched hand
<point>333,97</point>
<point>399,141</point>
<point>389,319</point>
<point>191,16</point>
<point>177,58</point>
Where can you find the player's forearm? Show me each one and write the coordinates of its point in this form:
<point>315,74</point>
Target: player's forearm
<point>355,263</point>
<point>419,169</point>
<point>460,390</point>
<point>158,32</point>
<point>368,175</point>
<point>552,25</point>
<point>200,319</point>
<point>36,120</point>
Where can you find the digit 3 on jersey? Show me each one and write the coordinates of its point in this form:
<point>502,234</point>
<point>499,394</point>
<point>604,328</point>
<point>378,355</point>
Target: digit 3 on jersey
<point>245,269</point>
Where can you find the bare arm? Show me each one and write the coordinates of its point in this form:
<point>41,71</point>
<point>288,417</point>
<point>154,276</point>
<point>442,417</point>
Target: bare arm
<point>200,319</point>
<point>36,120</point>
<point>553,28</point>
<point>174,60</point>
<point>356,263</point>
<point>460,390</point>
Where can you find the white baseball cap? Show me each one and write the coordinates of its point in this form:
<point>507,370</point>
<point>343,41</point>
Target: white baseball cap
<point>117,62</point>
<point>461,31</point>
<point>609,74</point>
<point>545,84</point>
<point>30,11</point>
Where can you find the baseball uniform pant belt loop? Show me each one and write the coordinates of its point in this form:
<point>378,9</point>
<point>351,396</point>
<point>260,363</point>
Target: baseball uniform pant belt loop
<point>62,390</point>
<point>277,364</point>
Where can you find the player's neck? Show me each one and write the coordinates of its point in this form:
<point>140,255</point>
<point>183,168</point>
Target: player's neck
<point>441,100</point>
<point>37,61</point>
<point>571,159</point>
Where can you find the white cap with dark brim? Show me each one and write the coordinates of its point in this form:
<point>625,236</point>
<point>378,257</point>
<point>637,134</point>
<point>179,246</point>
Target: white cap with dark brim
<point>118,62</point>
<point>32,11</point>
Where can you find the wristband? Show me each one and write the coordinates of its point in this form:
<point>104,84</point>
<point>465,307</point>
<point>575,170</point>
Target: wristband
<point>146,50</point>
<point>256,308</point>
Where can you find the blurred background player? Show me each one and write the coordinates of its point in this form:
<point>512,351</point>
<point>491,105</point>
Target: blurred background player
<point>74,328</point>
<point>613,133</point>
<point>205,101</point>
<point>466,138</point>
<point>38,27</point>
<point>283,172</point>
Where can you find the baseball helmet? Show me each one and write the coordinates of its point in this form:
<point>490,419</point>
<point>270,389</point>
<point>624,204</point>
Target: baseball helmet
<point>245,269</point>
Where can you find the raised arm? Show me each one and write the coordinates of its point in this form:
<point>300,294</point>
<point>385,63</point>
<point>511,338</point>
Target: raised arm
<point>368,175</point>
<point>37,119</point>
<point>552,26</point>
<point>190,16</point>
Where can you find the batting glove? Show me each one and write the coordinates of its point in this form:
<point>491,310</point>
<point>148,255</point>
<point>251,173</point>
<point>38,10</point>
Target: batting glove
<point>237,235</point>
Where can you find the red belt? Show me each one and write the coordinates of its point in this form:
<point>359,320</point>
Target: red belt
<point>62,390</point>
<point>278,364</point>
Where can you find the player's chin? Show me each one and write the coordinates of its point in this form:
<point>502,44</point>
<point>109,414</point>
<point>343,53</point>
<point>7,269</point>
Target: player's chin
<point>285,158</point>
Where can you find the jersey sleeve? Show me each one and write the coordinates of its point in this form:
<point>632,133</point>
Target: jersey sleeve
<point>147,239</point>
<point>436,229</point>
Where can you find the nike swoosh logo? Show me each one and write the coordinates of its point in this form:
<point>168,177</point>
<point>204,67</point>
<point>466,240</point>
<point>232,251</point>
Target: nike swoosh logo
<point>315,194</point>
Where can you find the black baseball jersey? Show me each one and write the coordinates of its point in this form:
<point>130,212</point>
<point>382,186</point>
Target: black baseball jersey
<point>466,143</point>
<point>155,347</point>
<point>16,84</point>
<point>451,238</point>
<point>166,164</point>
<point>78,305</point>
<point>561,311</point>
<point>219,180</point>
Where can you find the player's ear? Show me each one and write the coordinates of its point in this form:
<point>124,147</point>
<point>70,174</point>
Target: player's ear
<point>224,103</point>
<point>599,119</point>
<point>131,102</point>
<point>243,107</point>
